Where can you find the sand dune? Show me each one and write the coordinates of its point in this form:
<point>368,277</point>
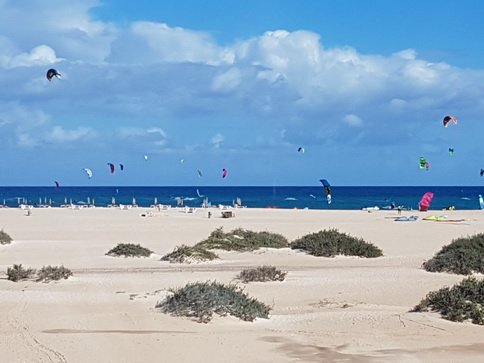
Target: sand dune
<point>327,309</point>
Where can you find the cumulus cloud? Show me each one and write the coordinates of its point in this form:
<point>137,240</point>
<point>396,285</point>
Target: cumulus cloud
<point>148,42</point>
<point>41,55</point>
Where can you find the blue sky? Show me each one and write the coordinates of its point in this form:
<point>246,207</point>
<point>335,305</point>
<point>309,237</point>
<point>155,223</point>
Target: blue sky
<point>363,86</point>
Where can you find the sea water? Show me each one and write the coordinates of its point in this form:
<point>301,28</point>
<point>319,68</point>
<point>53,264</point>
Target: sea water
<point>256,197</point>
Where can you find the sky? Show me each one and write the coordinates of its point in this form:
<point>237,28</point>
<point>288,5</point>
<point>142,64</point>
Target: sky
<point>170,88</point>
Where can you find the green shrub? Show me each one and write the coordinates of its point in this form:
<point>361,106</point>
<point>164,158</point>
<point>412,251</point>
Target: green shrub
<point>463,256</point>
<point>4,238</point>
<point>187,254</point>
<point>202,299</point>
<point>17,273</point>
<point>49,273</point>
<point>329,243</point>
<point>242,240</point>
<point>464,301</point>
<point>262,274</point>
<point>129,250</point>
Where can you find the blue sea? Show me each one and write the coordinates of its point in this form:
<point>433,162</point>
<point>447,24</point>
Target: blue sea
<point>257,197</point>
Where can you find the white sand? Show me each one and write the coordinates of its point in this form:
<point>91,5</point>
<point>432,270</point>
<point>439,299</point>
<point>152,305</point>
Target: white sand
<point>327,309</point>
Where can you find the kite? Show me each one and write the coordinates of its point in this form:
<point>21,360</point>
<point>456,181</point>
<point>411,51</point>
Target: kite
<point>301,150</point>
<point>447,119</point>
<point>424,164</point>
<point>111,167</point>
<point>51,73</point>
<point>199,173</point>
<point>482,172</point>
<point>424,203</point>
<point>224,173</point>
<point>451,151</point>
<point>121,166</point>
<point>89,172</point>
<point>56,184</point>
<point>327,189</point>
<point>146,157</point>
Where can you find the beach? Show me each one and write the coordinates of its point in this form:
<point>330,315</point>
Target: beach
<point>327,309</point>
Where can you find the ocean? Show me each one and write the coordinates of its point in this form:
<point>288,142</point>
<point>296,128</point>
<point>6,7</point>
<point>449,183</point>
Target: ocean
<point>343,197</point>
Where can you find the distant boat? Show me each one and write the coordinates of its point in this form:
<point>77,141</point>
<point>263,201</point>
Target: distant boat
<point>290,198</point>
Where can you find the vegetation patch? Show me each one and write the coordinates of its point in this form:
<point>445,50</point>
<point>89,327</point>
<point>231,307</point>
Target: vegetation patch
<point>50,273</point>
<point>261,274</point>
<point>202,299</point>
<point>5,237</point>
<point>330,243</point>
<point>462,302</point>
<point>18,273</point>
<point>129,250</point>
<point>243,240</point>
<point>463,256</point>
<point>189,254</point>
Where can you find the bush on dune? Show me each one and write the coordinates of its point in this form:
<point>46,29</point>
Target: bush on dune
<point>188,254</point>
<point>462,256</point>
<point>243,240</point>
<point>462,302</point>
<point>50,273</point>
<point>202,299</point>
<point>18,273</point>
<point>46,273</point>
<point>261,274</point>
<point>330,243</point>
<point>129,250</point>
<point>5,237</point>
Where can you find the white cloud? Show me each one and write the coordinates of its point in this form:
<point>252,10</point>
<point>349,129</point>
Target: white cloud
<point>60,135</point>
<point>352,120</point>
<point>407,54</point>
<point>227,81</point>
<point>148,42</point>
<point>217,140</point>
<point>41,55</point>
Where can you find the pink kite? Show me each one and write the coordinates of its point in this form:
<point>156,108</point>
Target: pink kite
<point>224,173</point>
<point>111,167</point>
<point>424,203</point>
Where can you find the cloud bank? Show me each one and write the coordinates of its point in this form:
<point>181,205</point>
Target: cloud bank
<point>158,89</point>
